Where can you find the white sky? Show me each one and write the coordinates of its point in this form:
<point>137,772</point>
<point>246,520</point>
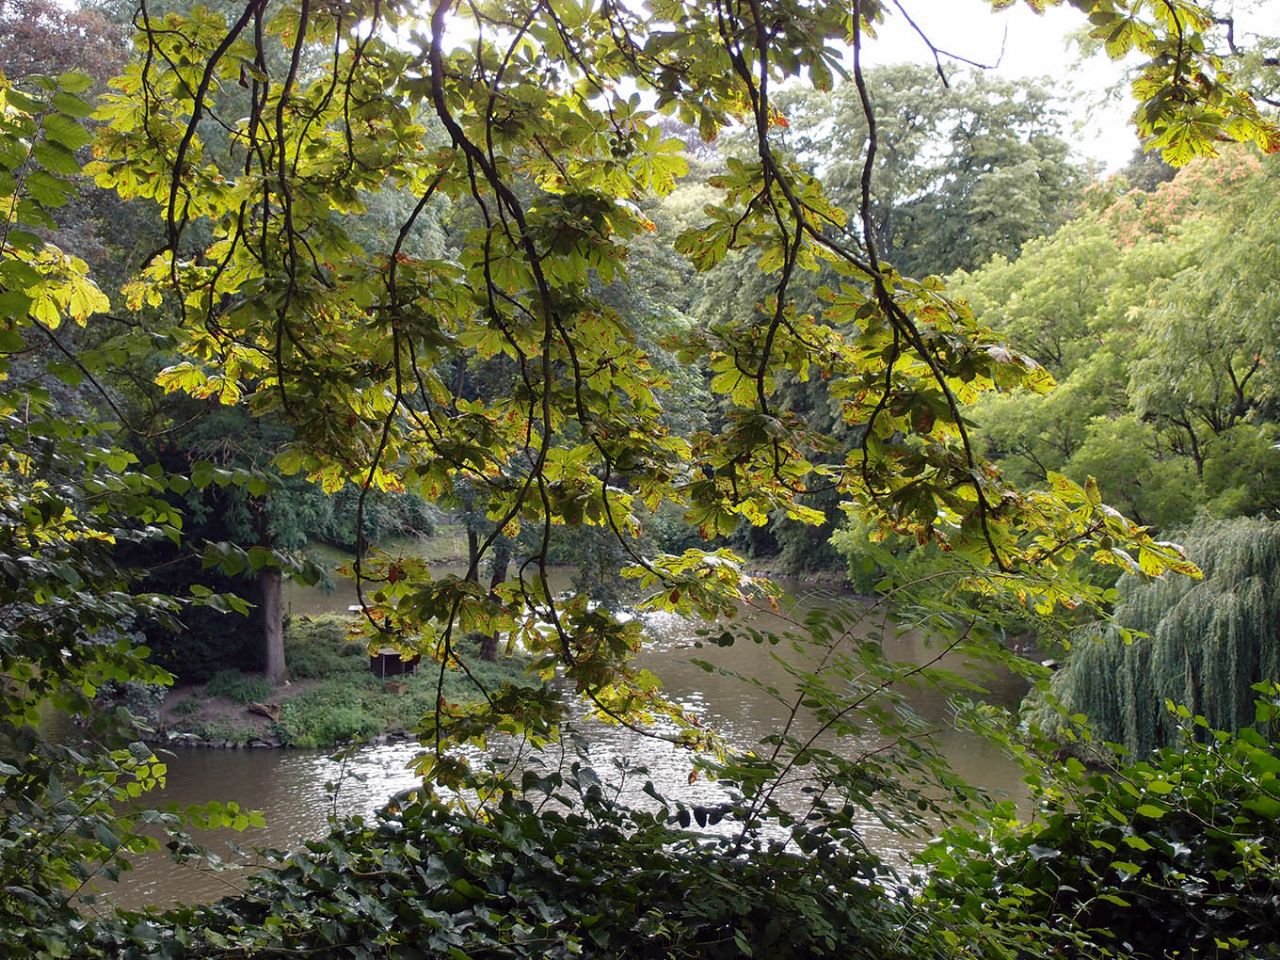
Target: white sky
<point>1040,46</point>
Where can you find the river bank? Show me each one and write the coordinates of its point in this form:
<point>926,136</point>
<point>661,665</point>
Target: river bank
<point>333,697</point>
<point>290,786</point>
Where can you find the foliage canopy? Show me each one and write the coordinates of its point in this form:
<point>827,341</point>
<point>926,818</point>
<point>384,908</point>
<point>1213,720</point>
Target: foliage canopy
<point>1204,643</point>
<point>519,121</point>
<point>262,137</point>
<point>1156,311</point>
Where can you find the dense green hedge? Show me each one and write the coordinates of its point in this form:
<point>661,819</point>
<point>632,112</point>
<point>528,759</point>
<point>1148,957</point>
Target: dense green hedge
<point>1177,855</point>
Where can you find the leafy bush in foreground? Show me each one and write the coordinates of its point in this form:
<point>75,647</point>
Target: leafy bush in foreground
<point>1177,855</point>
<point>589,880</point>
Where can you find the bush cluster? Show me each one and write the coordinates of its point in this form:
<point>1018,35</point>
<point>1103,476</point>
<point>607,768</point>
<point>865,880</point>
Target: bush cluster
<point>589,879</point>
<point>356,706</point>
<point>319,647</point>
<point>220,728</point>
<point>1175,855</point>
<point>351,703</point>
<point>238,686</point>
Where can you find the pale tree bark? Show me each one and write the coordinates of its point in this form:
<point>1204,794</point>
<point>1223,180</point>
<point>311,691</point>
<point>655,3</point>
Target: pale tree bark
<point>272,610</point>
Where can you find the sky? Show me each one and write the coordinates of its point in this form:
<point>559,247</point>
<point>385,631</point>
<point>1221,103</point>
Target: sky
<point>1023,44</point>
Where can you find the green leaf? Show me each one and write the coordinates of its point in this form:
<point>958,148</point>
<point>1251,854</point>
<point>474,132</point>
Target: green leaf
<point>66,131</point>
<point>14,305</point>
<point>56,158</point>
<point>202,473</point>
<point>106,837</point>
<point>47,189</point>
<point>1113,898</point>
<point>75,82</point>
<point>71,105</point>
<point>23,102</point>
<point>1268,807</point>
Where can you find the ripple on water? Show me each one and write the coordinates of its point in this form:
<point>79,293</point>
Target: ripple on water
<point>289,786</point>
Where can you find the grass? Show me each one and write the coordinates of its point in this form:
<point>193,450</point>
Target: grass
<point>237,686</point>
<point>336,698</point>
<point>350,702</point>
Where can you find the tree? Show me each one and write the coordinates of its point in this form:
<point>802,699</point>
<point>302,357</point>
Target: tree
<point>1211,330</point>
<point>1045,300</point>
<point>41,37</point>
<point>1253,58</point>
<point>1146,171</point>
<point>70,606</point>
<point>248,525</point>
<point>267,517</point>
<point>1156,316</point>
<point>1202,644</point>
<point>966,167</point>
<point>283,312</point>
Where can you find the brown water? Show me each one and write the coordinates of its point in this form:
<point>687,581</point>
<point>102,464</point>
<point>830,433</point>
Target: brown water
<point>289,787</point>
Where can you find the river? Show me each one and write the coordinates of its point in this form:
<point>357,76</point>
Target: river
<point>289,786</point>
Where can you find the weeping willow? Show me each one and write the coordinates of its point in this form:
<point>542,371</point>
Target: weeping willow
<point>1207,641</point>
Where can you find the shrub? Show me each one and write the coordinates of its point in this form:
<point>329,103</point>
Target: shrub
<point>342,724</point>
<point>1174,856</point>
<point>237,686</point>
<point>318,647</point>
<point>356,704</point>
<point>335,713</point>
<point>143,700</point>
<point>586,879</point>
<point>220,729</point>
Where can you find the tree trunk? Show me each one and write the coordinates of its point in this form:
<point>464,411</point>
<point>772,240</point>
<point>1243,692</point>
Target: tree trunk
<point>500,562</point>
<point>273,625</point>
<point>473,553</point>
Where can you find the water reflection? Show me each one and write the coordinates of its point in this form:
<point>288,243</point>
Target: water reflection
<point>290,786</point>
